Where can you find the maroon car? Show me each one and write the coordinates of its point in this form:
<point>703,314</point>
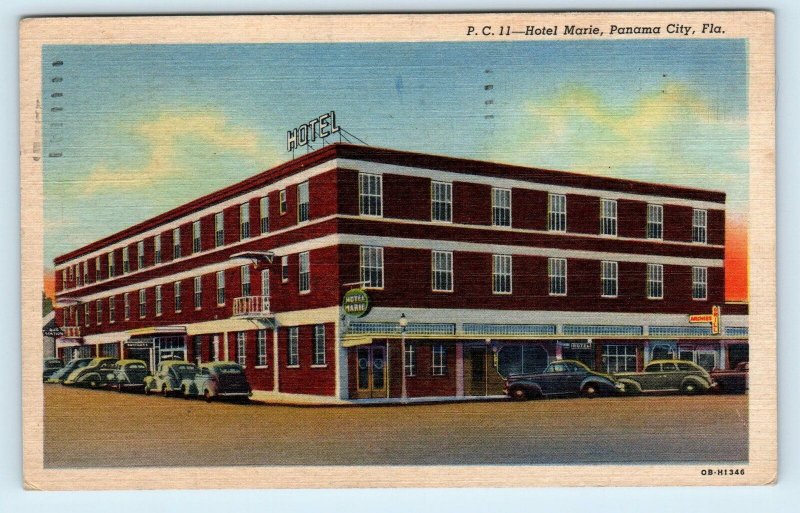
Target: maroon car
<point>731,381</point>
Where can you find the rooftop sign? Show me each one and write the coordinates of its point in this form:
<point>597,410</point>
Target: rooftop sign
<point>318,128</point>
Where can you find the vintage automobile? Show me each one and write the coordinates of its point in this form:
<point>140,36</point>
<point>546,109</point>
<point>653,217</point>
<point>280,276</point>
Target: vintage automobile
<point>51,366</point>
<point>731,381</point>
<point>168,377</point>
<point>666,376</point>
<point>60,375</point>
<point>560,378</point>
<point>93,375</point>
<point>128,374</point>
<point>216,380</point>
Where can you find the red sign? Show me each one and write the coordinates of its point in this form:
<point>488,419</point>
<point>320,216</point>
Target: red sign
<point>712,318</point>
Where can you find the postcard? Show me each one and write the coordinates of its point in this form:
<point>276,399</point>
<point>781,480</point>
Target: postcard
<point>452,250</point>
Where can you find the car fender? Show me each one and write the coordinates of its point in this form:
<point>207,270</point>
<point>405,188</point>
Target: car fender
<point>597,380</point>
<point>700,382</point>
<point>631,385</point>
<point>530,386</point>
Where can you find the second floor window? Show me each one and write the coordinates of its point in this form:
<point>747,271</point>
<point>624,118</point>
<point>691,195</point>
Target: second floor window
<point>372,267</point>
<point>142,302</point>
<point>501,274</point>
<point>608,217</point>
<point>126,263</point>
<point>441,201</point>
<point>219,229</point>
<point>176,243</point>
<point>221,288</point>
<point>157,249</point>
<point>501,207</point>
<point>292,356</point>
<point>177,296</point>
<point>304,268</point>
<point>302,202</point>
<point>245,279</point>
<point>442,271</point>
<point>655,222</point>
<point>370,194</point>
<point>556,212</point>
<point>609,273</point>
<point>700,283</point>
<point>158,300</point>
<point>700,226</point>
<point>655,281</point>
<point>197,242</point>
<point>244,221</point>
<point>557,274</point>
<point>140,255</point>
<point>198,292</point>
<point>263,206</point>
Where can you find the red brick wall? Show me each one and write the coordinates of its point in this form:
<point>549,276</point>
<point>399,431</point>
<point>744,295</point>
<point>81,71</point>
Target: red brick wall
<point>472,203</point>
<point>307,379</point>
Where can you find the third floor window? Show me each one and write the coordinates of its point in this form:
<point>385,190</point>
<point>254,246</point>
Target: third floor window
<point>244,221</point>
<point>700,226</point>
<point>197,244</point>
<point>370,194</point>
<point>557,212</point>
<point>219,229</point>
<point>441,201</point>
<point>501,207</point>
<point>302,202</point>
<point>608,217</point>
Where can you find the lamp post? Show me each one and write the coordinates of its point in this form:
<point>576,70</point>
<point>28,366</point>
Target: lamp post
<point>403,325</point>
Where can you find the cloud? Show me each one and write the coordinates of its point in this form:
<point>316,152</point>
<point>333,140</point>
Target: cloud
<point>671,135</point>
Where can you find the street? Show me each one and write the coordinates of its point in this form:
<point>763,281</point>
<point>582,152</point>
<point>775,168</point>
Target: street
<point>97,428</point>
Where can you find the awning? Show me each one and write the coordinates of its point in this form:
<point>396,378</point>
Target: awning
<point>106,338</point>
<point>224,325</point>
<point>158,330</point>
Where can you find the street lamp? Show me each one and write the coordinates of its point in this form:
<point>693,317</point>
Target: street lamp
<point>403,325</point>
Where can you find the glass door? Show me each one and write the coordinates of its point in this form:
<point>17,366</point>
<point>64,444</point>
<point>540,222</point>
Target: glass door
<point>371,372</point>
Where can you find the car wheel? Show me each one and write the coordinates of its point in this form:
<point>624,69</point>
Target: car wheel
<point>92,384</point>
<point>185,393</point>
<point>689,388</point>
<point>207,396</point>
<point>164,391</point>
<point>590,391</point>
<point>147,390</point>
<point>519,394</point>
<point>119,387</point>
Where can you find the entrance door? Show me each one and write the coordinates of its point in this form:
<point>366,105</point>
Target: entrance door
<point>371,374</point>
<point>477,374</point>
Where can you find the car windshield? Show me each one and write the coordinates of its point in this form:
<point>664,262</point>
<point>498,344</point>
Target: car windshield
<point>686,367</point>
<point>136,366</point>
<point>228,369</point>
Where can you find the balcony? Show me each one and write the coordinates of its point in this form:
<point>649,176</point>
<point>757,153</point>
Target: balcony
<point>71,331</point>
<point>251,307</point>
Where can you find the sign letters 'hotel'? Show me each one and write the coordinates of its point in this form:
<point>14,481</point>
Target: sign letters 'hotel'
<point>339,272</point>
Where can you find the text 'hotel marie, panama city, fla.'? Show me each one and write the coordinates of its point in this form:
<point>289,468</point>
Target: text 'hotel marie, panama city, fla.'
<point>354,272</point>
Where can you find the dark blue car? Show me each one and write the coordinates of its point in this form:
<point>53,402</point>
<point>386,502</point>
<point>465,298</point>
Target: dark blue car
<point>561,378</point>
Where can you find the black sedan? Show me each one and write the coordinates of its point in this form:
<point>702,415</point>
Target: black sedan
<point>560,378</point>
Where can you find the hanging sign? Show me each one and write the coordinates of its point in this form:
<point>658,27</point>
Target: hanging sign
<point>712,318</point>
<point>355,303</point>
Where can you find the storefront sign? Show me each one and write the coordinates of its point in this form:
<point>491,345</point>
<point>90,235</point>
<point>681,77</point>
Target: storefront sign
<point>576,345</point>
<point>139,344</point>
<point>355,303</point>
<point>712,318</point>
<point>321,127</point>
<point>53,331</point>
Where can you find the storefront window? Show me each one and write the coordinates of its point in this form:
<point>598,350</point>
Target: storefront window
<point>521,359</point>
<point>619,358</point>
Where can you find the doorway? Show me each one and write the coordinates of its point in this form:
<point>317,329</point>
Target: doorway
<point>371,372</point>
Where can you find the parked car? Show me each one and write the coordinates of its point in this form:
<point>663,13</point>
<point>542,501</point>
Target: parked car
<point>560,378</point>
<point>731,381</point>
<point>666,376</point>
<point>51,366</point>
<point>60,375</point>
<point>168,377</point>
<point>217,379</point>
<point>128,374</point>
<point>93,375</point>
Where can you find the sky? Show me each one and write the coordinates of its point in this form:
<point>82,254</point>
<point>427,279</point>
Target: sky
<point>144,128</point>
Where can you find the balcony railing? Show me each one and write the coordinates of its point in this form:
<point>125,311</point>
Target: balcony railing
<point>251,306</point>
<point>71,331</point>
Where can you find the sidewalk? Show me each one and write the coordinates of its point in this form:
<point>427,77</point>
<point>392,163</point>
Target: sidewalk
<point>321,400</point>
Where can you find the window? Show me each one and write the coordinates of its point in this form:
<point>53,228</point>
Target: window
<point>442,271</point>
<point>198,349</point>
<point>241,348</point>
<point>372,267</point>
<point>319,344</point>
<point>142,302</point>
<point>410,361</point>
<point>655,281</point>
<point>97,270</point>
<point>177,296</point>
<point>220,288</point>
<point>370,194</point>
<point>439,364</point>
<point>244,272</point>
<point>302,202</point>
<point>86,308</point>
<point>557,273</point>
<point>441,201</point>
<point>700,283</point>
<point>282,201</point>
<point>700,226</point>
<point>619,358</point>
<point>176,243</point>
<point>219,229</point>
<point>264,214</point>
<point>197,243</point>
<point>198,292</point>
<point>98,305</point>
<point>261,347</point>
<point>609,273</point>
<point>655,222</point>
<point>140,255</point>
<point>556,212</point>
<point>63,279</point>
<point>126,264</point>
<point>244,221</point>
<point>126,305</point>
<point>157,249</point>
<point>304,268</point>
<point>85,272</point>
<point>501,207</point>
<point>501,274</point>
<point>608,217</point>
<point>292,357</point>
<point>158,300</point>
<point>265,283</point>
<point>284,269</point>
